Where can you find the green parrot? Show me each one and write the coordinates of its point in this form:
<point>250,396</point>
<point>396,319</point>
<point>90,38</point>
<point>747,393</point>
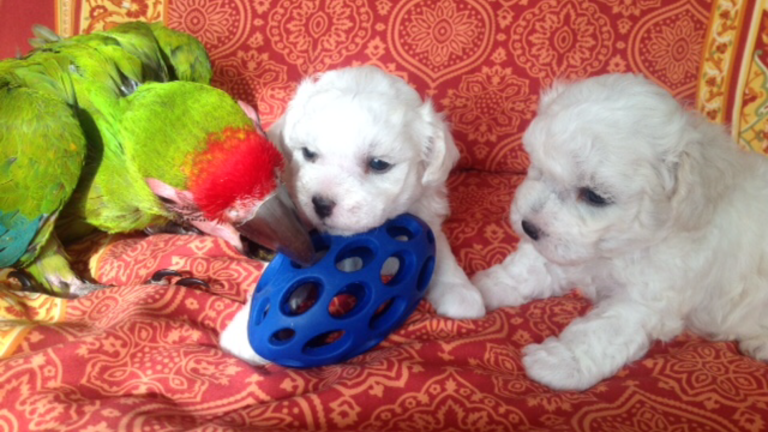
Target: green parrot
<point>42,150</point>
<point>149,152</point>
<point>182,152</point>
<point>41,121</point>
<point>129,45</point>
<point>189,153</point>
<point>98,83</point>
<point>165,54</point>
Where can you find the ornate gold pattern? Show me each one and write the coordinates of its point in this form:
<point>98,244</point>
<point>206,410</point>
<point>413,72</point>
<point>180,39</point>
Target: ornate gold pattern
<point>562,39</point>
<point>315,34</point>
<point>493,101</point>
<point>440,39</point>
<point>721,47</point>
<point>667,46</point>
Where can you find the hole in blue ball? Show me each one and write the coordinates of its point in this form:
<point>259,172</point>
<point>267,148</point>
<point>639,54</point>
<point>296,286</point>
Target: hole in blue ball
<point>391,271</point>
<point>348,301</point>
<point>399,269</point>
<point>401,232</point>
<point>323,340</point>
<point>354,257</point>
<point>351,264</point>
<point>301,297</point>
<point>387,314</point>
<point>282,336</point>
<point>425,275</point>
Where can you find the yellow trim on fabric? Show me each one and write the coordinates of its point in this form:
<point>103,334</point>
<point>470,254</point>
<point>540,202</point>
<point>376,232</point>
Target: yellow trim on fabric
<point>65,17</point>
<point>734,50</point>
<point>164,13</point>
<point>111,13</point>
<point>705,55</point>
<point>717,67</point>
<point>16,321</point>
<point>95,259</point>
<point>746,66</point>
<point>9,342</point>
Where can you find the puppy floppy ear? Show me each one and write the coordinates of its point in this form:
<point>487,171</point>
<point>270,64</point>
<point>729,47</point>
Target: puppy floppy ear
<point>702,170</point>
<point>439,153</point>
<point>275,135</point>
<point>308,87</point>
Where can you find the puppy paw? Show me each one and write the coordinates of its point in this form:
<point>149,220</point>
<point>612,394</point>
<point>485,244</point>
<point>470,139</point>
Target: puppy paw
<point>458,301</point>
<point>756,348</point>
<point>234,340</point>
<point>496,291</point>
<point>557,366</point>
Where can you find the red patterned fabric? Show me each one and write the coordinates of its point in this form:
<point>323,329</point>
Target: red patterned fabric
<point>16,22</point>
<point>141,357</point>
<point>482,62</point>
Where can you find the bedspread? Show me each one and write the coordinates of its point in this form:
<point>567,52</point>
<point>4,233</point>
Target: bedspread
<point>140,357</point>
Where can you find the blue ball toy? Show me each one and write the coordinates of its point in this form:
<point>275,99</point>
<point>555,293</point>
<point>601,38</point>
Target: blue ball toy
<point>361,288</point>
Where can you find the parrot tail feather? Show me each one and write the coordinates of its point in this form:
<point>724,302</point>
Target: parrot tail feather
<point>43,36</point>
<point>84,289</point>
<point>65,290</point>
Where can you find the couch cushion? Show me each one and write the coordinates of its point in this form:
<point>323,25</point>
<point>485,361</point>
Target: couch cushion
<point>478,228</point>
<point>145,357</point>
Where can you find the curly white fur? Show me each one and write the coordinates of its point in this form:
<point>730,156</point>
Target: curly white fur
<point>652,211</point>
<point>362,147</point>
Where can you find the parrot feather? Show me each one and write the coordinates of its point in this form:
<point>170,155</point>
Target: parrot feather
<point>35,181</point>
<point>184,55</point>
<point>94,136</point>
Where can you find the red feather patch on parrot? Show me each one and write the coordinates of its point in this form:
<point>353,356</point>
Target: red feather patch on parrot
<point>238,165</point>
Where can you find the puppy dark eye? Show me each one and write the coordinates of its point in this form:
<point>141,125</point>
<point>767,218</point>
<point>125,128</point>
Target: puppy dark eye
<point>309,155</point>
<point>592,198</point>
<point>379,166</point>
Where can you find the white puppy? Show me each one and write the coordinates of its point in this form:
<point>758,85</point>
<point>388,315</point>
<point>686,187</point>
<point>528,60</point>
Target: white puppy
<point>652,211</point>
<point>362,147</point>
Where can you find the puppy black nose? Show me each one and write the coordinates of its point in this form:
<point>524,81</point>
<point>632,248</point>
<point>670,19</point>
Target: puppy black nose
<point>532,230</point>
<point>323,206</point>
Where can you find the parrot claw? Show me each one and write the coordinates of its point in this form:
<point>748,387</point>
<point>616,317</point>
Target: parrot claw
<point>160,275</point>
<point>26,283</point>
<point>159,278</point>
<point>192,282</point>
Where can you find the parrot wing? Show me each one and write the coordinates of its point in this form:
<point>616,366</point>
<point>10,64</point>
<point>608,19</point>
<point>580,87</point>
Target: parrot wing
<point>46,75</point>
<point>42,149</point>
<point>137,39</point>
<point>185,56</point>
<point>163,54</point>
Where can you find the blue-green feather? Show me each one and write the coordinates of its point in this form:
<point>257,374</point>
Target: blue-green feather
<point>16,234</point>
